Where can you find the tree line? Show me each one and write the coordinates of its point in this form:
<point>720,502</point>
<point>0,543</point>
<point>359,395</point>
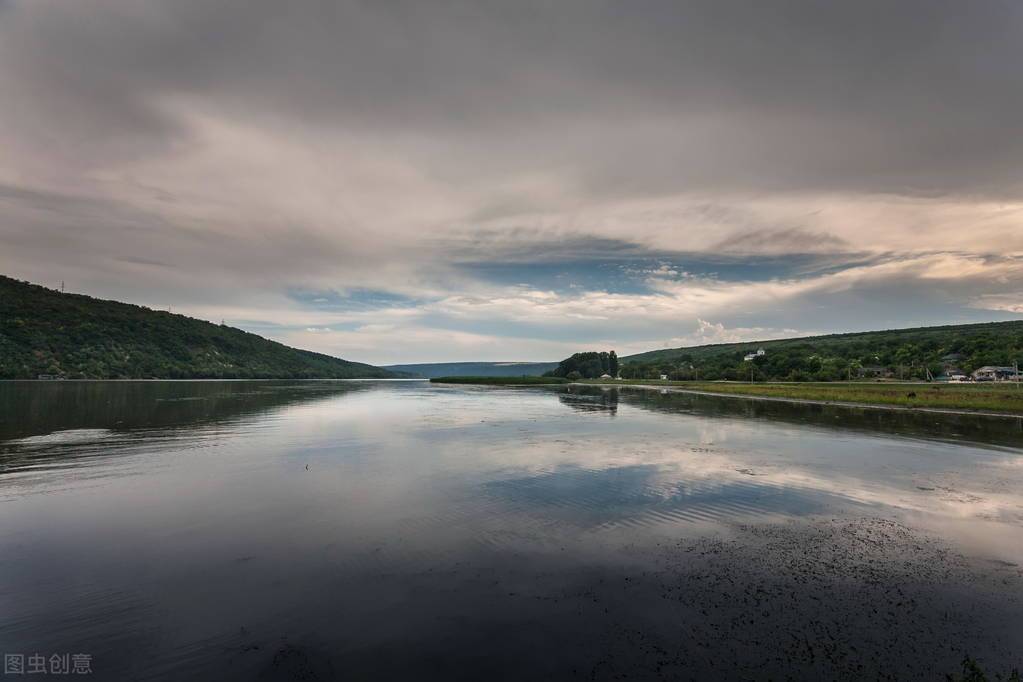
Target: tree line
<point>908,354</point>
<point>589,365</point>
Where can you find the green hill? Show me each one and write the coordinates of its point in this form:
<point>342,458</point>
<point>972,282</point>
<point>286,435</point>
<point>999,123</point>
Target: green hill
<point>906,353</point>
<point>43,331</point>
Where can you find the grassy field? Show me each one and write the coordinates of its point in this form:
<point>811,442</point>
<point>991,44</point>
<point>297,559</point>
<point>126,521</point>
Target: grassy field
<point>984,397</point>
<point>500,381</point>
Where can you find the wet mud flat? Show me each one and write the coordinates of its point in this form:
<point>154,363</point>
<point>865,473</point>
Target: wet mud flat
<point>836,599</point>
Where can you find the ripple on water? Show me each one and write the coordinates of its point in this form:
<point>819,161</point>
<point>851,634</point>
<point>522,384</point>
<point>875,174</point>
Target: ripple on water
<point>65,437</point>
<point>647,495</point>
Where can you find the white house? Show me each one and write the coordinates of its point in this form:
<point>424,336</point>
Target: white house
<point>753,356</point>
<point>991,373</point>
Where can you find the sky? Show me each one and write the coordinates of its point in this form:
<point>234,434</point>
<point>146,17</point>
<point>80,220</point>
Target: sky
<point>434,180</point>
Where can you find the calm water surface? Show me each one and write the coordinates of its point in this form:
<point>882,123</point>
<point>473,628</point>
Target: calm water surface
<point>373,530</point>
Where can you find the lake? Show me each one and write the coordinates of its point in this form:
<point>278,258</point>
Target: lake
<point>258,530</point>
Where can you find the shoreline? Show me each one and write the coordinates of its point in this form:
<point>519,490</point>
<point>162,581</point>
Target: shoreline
<point>811,401</point>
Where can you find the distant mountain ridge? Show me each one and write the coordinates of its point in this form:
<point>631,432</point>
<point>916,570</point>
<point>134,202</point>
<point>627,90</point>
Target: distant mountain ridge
<point>46,332</point>
<point>432,370</point>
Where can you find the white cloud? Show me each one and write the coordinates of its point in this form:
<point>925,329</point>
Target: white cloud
<point>1012,302</point>
<point>546,325</point>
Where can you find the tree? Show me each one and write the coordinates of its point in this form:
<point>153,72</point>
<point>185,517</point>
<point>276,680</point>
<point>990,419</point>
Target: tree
<point>613,364</point>
<point>589,365</point>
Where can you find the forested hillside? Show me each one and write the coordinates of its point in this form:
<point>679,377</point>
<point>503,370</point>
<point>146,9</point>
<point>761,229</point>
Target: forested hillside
<point>905,353</point>
<point>43,331</point>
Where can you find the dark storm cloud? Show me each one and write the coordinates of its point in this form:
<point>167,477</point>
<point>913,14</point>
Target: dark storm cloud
<point>910,96</point>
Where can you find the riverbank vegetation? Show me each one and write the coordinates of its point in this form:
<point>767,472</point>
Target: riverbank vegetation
<point>500,381</point>
<point>898,354</point>
<point>590,365</point>
<point>1004,397</point>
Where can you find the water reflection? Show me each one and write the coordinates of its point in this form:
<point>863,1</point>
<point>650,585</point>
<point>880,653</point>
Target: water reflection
<point>59,423</point>
<point>953,428</point>
<point>339,530</point>
<point>591,400</point>
<point>33,408</point>
<point>647,495</point>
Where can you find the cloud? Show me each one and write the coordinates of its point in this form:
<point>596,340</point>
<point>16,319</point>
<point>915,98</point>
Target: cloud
<point>1011,302</point>
<point>710,333</point>
<point>896,291</point>
<point>791,240</point>
<point>518,175</point>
